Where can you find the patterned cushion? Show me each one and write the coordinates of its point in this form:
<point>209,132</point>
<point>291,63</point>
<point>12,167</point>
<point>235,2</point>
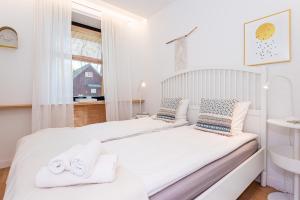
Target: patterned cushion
<point>216,115</point>
<point>167,111</point>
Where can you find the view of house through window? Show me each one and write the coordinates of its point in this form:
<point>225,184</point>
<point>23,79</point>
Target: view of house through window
<point>86,61</point>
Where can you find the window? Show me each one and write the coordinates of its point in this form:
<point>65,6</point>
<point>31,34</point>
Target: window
<point>86,61</point>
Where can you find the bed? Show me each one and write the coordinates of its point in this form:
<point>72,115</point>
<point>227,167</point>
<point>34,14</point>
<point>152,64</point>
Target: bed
<point>115,130</point>
<point>199,181</point>
<point>244,84</point>
<point>104,132</point>
<point>167,164</point>
<point>171,155</point>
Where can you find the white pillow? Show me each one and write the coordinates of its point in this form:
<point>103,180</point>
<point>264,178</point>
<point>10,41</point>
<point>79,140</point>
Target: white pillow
<point>239,114</point>
<point>181,112</point>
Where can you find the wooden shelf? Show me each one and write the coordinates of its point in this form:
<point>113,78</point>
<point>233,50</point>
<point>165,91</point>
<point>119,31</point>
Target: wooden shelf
<point>15,106</point>
<point>136,101</point>
<point>28,106</point>
<point>89,103</point>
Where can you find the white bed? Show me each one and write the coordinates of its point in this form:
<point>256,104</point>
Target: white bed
<point>114,130</point>
<point>30,158</point>
<point>149,160</point>
<point>242,83</point>
<point>168,156</point>
<point>101,131</point>
<point>153,159</point>
<point>120,129</point>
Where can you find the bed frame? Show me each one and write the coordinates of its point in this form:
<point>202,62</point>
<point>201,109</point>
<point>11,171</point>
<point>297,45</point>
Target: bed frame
<point>244,84</point>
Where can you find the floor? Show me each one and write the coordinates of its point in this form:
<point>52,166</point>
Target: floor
<point>256,192</point>
<point>253,192</point>
<point>3,176</point>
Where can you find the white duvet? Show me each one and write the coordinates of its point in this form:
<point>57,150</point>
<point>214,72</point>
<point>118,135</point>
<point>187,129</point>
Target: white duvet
<point>31,157</point>
<point>33,149</point>
<point>119,129</point>
<point>150,162</point>
<point>165,157</point>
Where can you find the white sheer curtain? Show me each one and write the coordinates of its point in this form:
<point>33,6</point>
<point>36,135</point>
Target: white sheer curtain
<point>52,72</point>
<point>117,50</point>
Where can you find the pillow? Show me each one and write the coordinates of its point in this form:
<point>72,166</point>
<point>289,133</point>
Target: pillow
<point>167,111</point>
<point>181,112</point>
<point>239,115</point>
<point>216,115</point>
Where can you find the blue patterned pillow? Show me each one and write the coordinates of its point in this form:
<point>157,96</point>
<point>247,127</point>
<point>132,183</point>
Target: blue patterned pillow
<point>167,111</point>
<point>216,115</point>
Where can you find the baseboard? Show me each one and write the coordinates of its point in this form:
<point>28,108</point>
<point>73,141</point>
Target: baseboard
<point>4,163</point>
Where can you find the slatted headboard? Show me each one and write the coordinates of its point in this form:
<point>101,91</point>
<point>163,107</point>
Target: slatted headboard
<point>242,83</point>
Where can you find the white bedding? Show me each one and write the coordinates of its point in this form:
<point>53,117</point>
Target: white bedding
<point>30,158</point>
<point>102,131</point>
<point>120,129</point>
<point>165,157</point>
<point>157,160</point>
<point>28,146</point>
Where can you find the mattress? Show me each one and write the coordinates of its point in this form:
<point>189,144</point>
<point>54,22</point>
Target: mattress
<point>194,184</point>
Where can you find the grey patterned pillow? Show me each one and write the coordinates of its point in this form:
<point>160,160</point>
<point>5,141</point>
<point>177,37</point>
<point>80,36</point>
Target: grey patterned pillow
<point>167,111</point>
<point>216,115</point>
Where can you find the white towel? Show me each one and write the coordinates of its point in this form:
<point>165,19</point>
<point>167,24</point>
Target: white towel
<point>104,172</point>
<point>84,162</point>
<point>62,162</point>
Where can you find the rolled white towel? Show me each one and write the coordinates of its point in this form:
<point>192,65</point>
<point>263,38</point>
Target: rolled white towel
<point>84,162</point>
<point>104,172</point>
<point>62,162</point>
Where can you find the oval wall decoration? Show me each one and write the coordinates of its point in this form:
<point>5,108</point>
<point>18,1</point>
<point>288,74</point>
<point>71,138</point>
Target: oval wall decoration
<point>8,37</point>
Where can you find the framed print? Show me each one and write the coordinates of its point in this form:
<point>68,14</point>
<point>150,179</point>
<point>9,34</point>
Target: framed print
<point>8,37</point>
<point>267,40</point>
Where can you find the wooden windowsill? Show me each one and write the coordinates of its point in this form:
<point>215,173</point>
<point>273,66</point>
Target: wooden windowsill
<point>28,106</point>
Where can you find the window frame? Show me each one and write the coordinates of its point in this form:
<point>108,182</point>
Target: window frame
<point>87,59</point>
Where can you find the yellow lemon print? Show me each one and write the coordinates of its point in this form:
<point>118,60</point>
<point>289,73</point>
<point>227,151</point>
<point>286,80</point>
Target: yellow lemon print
<point>265,31</point>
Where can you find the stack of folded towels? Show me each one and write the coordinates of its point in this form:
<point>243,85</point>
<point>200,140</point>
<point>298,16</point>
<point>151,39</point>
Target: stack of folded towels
<point>82,164</point>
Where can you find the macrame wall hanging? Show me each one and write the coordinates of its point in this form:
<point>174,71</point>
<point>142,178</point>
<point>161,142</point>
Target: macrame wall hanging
<point>181,50</point>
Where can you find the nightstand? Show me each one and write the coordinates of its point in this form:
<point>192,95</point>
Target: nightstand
<point>287,157</point>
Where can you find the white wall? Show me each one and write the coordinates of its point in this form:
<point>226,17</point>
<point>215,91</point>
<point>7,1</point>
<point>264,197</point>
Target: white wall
<point>15,75</point>
<point>218,42</point>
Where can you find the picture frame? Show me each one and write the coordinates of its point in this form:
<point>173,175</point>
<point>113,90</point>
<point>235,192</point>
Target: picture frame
<point>267,40</point>
<point>8,37</point>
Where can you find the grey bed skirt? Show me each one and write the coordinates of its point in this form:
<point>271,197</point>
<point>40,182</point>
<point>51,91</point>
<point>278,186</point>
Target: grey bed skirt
<point>196,183</point>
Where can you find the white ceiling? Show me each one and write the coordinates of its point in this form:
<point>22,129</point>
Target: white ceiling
<point>143,8</point>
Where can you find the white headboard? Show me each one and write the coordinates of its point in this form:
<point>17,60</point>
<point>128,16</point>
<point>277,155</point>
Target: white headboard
<point>242,83</point>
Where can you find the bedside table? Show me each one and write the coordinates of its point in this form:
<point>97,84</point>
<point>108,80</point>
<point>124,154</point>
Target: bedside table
<point>287,157</point>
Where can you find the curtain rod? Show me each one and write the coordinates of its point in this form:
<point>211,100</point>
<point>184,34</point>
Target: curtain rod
<point>184,36</point>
